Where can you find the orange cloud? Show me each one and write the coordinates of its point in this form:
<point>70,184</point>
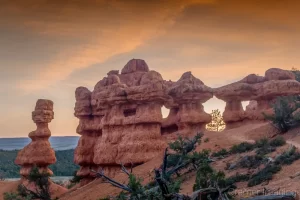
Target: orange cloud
<point>128,25</point>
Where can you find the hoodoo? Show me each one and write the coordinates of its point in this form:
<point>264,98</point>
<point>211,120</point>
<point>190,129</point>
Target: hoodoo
<point>261,91</point>
<point>187,115</point>
<point>120,121</point>
<point>39,152</point>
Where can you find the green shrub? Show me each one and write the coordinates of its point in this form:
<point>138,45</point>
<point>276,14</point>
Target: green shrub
<point>196,158</point>
<point>185,145</point>
<point>262,143</point>
<point>242,147</point>
<point>264,175</point>
<point>184,152</point>
<point>283,108</point>
<point>208,177</point>
<point>237,178</point>
<point>15,196</point>
<point>265,150</point>
<point>288,157</point>
<point>277,142</point>
<point>250,161</point>
<point>204,173</point>
<point>221,153</point>
<point>265,146</point>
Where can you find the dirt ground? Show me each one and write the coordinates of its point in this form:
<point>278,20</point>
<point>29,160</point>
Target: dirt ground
<point>282,181</point>
<point>12,186</point>
<point>6,186</point>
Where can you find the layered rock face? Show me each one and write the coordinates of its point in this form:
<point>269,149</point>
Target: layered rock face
<point>120,121</point>
<point>187,115</point>
<point>90,129</point>
<point>260,91</point>
<point>39,152</point>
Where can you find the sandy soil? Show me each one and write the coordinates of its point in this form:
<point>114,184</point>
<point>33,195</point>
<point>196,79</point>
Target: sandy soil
<point>12,186</point>
<point>217,140</point>
<point>6,186</point>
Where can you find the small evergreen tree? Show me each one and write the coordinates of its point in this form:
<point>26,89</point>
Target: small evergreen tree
<point>217,123</point>
<point>297,73</point>
<point>213,181</point>
<point>283,113</point>
<point>42,183</point>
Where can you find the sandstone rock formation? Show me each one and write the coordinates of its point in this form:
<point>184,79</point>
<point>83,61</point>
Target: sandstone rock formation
<point>187,115</point>
<point>90,130</point>
<point>131,124</point>
<point>120,121</point>
<point>262,90</point>
<point>39,152</point>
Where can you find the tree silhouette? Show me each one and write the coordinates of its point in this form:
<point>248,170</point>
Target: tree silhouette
<point>217,123</point>
<point>2,177</point>
<point>297,73</point>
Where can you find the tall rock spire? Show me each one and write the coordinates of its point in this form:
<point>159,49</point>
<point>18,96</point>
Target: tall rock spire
<point>39,152</point>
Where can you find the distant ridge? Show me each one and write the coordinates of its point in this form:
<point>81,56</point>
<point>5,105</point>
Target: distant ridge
<point>57,143</point>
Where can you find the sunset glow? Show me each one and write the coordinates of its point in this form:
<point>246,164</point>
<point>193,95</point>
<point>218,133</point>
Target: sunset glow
<point>48,48</point>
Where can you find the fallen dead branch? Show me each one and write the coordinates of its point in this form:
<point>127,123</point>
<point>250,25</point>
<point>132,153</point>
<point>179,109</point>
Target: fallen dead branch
<point>287,196</point>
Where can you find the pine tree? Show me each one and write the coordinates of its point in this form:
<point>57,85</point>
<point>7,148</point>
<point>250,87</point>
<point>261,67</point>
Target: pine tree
<point>283,113</point>
<point>217,123</point>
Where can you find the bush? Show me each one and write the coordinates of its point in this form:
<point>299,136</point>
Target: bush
<point>207,177</point>
<point>277,142</point>
<point>204,173</point>
<point>196,158</point>
<point>288,157</point>
<point>242,147</point>
<point>250,161</point>
<point>283,109</point>
<point>237,178</point>
<point>264,175</point>
<point>14,196</point>
<point>265,146</point>
<point>262,143</point>
<point>183,148</point>
<point>265,150</point>
<point>221,153</point>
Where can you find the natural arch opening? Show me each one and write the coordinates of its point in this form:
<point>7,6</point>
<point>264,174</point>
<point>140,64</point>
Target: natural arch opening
<point>165,112</point>
<point>215,107</point>
<point>169,125</point>
<point>245,104</point>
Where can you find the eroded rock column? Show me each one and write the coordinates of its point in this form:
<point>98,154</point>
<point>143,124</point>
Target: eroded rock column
<point>261,91</point>
<point>90,130</point>
<point>187,115</point>
<point>233,113</point>
<point>39,152</point>
<point>132,125</point>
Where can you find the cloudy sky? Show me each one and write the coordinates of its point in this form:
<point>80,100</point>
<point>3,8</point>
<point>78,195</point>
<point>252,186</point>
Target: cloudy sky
<point>50,47</point>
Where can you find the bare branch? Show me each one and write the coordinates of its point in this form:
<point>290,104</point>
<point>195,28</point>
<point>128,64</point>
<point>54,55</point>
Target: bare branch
<point>111,181</point>
<point>287,196</point>
<point>124,169</point>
